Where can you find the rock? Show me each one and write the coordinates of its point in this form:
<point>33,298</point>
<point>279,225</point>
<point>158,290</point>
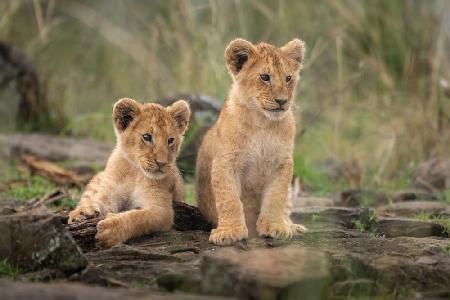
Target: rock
<point>413,208</point>
<point>288,273</point>
<point>187,217</point>
<point>412,195</point>
<point>343,217</point>
<point>12,290</point>
<point>35,239</point>
<point>394,227</point>
<point>357,197</point>
<point>173,260</point>
<point>302,201</point>
<point>433,174</point>
<point>357,288</point>
<point>397,263</point>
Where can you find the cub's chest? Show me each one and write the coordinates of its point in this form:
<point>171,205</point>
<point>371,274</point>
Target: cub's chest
<point>263,154</point>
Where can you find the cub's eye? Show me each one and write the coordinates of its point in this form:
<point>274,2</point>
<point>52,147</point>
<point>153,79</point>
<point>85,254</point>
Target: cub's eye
<point>264,77</point>
<point>147,137</point>
<point>170,141</point>
<point>288,78</point>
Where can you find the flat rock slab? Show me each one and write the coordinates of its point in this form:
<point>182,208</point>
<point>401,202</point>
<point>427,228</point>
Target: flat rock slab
<point>11,290</point>
<point>413,208</point>
<point>395,227</point>
<point>422,264</point>
<point>360,261</point>
<point>36,239</point>
<point>287,272</point>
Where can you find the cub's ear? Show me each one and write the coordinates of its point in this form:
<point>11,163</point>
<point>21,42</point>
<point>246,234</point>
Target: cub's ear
<point>237,54</point>
<point>295,49</point>
<point>124,112</point>
<point>181,112</point>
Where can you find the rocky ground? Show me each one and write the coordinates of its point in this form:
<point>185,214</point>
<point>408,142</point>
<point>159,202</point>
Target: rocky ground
<point>398,248</point>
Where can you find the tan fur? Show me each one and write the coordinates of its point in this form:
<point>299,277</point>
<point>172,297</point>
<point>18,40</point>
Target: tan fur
<point>244,165</point>
<point>134,192</point>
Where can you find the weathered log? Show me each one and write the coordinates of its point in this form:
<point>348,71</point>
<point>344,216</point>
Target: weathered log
<point>187,217</point>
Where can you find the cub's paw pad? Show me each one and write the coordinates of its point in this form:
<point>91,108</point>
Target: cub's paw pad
<point>279,229</point>
<point>82,213</point>
<point>109,232</point>
<point>298,229</point>
<point>228,235</point>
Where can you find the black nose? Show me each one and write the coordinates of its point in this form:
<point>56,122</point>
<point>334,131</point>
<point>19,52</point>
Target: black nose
<point>280,102</point>
<point>161,163</point>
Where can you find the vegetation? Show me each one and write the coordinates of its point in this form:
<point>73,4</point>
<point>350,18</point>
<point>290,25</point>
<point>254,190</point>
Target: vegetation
<point>34,187</point>
<point>8,270</point>
<point>444,221</point>
<point>372,98</point>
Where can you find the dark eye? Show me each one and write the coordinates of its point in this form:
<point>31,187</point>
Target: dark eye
<point>264,77</point>
<point>170,141</point>
<point>147,137</point>
<point>288,78</point>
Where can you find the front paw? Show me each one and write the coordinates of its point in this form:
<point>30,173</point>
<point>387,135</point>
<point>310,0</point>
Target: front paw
<point>110,232</point>
<point>280,229</point>
<point>82,213</point>
<point>228,235</point>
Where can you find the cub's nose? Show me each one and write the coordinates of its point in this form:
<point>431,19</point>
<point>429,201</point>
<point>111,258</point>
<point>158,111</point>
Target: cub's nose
<point>281,102</point>
<point>161,163</point>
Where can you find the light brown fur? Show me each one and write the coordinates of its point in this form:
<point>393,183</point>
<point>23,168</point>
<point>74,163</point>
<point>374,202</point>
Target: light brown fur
<point>244,165</point>
<point>140,181</point>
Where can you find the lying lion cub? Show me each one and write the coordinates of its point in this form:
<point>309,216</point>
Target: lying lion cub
<point>244,166</point>
<point>136,190</point>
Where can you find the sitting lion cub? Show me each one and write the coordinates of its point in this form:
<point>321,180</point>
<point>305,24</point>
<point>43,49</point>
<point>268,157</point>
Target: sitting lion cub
<point>244,166</point>
<point>136,190</point>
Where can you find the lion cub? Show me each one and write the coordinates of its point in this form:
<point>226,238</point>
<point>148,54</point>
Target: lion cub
<point>136,190</point>
<point>244,165</point>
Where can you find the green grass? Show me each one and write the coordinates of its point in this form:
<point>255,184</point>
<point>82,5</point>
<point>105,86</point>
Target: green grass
<point>313,179</point>
<point>369,93</point>
<point>446,249</point>
<point>445,195</point>
<point>8,270</point>
<point>190,196</point>
<point>35,187</point>
<point>66,203</point>
<point>444,221</point>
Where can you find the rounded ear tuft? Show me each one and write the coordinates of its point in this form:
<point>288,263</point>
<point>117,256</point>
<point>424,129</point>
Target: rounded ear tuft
<point>181,112</point>
<point>124,112</point>
<point>295,49</point>
<point>237,54</point>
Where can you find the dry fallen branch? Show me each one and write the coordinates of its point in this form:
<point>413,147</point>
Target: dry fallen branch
<point>51,171</point>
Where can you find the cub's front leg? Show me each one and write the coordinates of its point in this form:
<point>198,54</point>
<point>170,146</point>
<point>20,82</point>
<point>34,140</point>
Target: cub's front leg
<point>273,220</point>
<point>154,216</point>
<point>231,225</point>
<point>94,201</point>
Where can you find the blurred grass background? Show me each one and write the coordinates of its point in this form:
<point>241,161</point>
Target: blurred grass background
<point>372,98</point>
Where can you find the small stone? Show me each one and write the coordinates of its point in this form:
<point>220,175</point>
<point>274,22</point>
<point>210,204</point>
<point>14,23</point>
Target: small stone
<point>285,272</point>
<point>395,227</point>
